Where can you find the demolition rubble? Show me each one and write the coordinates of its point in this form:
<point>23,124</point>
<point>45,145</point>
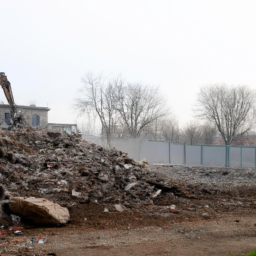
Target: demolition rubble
<point>43,167</point>
<point>50,179</point>
<point>68,171</point>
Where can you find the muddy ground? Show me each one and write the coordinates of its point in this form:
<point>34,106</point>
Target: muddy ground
<point>218,219</point>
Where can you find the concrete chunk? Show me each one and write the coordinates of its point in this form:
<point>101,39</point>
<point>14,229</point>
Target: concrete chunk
<point>39,210</point>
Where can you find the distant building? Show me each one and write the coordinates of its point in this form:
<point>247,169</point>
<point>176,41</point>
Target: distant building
<point>69,128</point>
<point>34,116</point>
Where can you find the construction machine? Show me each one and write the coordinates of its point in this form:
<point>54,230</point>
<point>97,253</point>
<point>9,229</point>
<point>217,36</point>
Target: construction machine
<point>15,116</point>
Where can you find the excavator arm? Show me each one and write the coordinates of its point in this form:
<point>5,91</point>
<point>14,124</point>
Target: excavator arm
<point>6,85</point>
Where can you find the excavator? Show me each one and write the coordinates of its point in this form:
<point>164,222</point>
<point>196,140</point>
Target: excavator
<point>16,116</point>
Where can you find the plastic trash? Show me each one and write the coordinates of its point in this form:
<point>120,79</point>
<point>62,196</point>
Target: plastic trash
<point>40,240</point>
<point>17,232</point>
<point>106,209</point>
<point>172,207</point>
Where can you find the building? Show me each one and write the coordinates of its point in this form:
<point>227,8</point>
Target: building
<point>34,116</point>
<point>69,128</point>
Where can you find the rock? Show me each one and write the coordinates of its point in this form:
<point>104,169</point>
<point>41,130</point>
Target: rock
<point>75,194</point>
<point>119,207</point>
<point>127,166</point>
<point>130,185</point>
<point>103,176</point>
<point>53,133</point>
<point>157,193</point>
<point>39,210</point>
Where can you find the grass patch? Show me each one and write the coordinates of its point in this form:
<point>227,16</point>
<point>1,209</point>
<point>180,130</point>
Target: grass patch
<point>249,254</point>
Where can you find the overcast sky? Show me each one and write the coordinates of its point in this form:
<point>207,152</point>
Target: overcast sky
<point>46,46</point>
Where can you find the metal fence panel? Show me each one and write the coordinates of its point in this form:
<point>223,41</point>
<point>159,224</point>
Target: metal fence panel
<point>248,157</point>
<point>214,155</point>
<point>235,157</point>
<point>193,155</point>
<point>177,154</point>
<point>155,152</point>
<point>174,153</point>
<point>130,146</point>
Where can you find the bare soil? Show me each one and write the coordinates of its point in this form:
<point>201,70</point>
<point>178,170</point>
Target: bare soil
<point>111,233</point>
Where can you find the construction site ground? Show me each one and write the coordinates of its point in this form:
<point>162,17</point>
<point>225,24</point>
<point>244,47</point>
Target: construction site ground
<point>119,206</point>
<point>199,227</point>
<point>228,231</point>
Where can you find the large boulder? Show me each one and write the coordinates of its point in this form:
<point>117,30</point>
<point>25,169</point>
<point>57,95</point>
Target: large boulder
<point>39,210</point>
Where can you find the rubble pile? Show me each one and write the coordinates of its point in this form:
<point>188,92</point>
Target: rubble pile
<point>68,170</point>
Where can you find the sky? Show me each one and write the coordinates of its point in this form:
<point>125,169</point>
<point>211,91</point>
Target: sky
<point>47,46</point>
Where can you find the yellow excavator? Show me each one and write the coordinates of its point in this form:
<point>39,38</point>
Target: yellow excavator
<point>16,117</point>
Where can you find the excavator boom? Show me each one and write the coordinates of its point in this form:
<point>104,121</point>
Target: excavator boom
<point>6,85</point>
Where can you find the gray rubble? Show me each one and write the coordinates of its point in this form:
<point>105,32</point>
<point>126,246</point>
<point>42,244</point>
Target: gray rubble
<point>66,169</point>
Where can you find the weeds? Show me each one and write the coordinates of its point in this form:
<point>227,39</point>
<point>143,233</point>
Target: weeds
<point>249,254</point>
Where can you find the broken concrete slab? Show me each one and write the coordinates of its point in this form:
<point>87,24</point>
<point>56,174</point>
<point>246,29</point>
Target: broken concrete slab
<point>39,210</point>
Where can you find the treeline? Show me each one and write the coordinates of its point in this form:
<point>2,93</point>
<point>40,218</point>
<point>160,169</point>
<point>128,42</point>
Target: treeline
<point>224,114</point>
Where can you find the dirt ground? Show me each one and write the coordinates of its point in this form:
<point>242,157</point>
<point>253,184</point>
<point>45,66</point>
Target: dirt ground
<point>209,219</point>
<point>224,234</point>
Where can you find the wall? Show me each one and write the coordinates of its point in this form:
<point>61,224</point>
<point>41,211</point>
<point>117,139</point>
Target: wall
<point>28,112</point>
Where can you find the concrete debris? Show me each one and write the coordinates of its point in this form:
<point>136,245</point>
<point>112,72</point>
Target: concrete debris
<point>66,169</point>
<point>39,210</point>
<point>71,172</point>
<point>75,194</point>
<point>158,192</point>
<point>119,207</point>
<point>129,186</point>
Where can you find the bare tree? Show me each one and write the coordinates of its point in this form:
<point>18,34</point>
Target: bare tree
<point>169,130</point>
<point>208,132</point>
<point>32,103</point>
<point>231,109</point>
<point>139,106</point>
<point>98,96</point>
<point>192,133</point>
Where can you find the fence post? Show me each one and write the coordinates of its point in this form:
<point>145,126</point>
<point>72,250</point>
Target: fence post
<point>169,152</point>
<point>227,156</point>
<point>185,154</point>
<point>241,157</point>
<point>202,155</point>
<point>140,142</point>
<point>255,157</point>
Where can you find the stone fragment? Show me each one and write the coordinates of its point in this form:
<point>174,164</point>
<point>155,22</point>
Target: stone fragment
<point>75,194</point>
<point>39,210</point>
<point>127,166</point>
<point>103,176</point>
<point>130,185</point>
<point>157,193</point>
<point>119,207</point>
<point>53,133</point>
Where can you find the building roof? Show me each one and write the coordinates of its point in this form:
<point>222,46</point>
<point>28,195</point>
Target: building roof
<point>56,124</point>
<point>25,107</point>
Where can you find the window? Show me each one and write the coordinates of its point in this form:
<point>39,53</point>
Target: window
<point>7,118</point>
<point>35,120</point>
